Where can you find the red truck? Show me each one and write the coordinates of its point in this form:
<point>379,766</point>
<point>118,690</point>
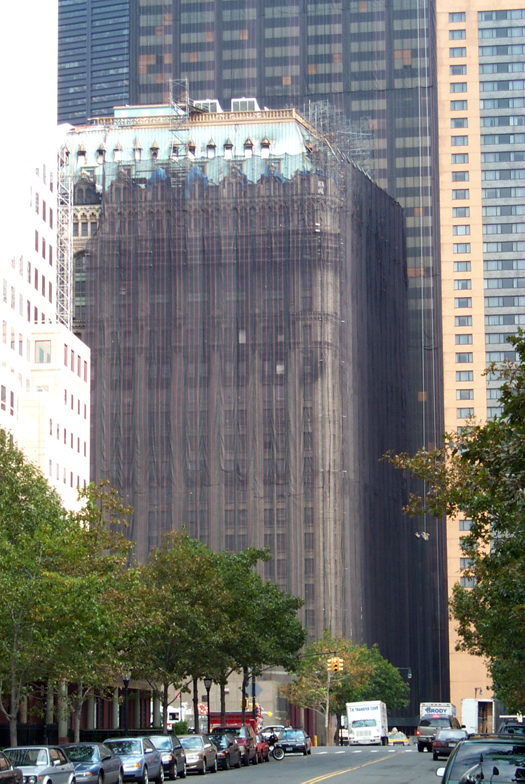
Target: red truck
<point>244,734</point>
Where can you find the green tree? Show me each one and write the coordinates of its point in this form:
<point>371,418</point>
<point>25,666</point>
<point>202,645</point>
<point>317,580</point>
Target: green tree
<point>317,688</point>
<point>385,682</point>
<point>264,629</point>
<point>183,623</point>
<point>33,529</point>
<point>479,473</point>
<point>95,586</point>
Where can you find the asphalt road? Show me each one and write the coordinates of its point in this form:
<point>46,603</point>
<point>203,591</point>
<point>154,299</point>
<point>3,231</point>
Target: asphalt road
<point>357,765</point>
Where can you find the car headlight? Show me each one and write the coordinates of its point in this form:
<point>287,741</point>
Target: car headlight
<point>166,757</point>
<point>132,766</point>
<point>30,779</point>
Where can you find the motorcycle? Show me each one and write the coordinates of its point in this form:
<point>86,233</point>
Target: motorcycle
<point>277,752</point>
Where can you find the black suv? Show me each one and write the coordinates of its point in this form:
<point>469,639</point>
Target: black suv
<point>172,754</point>
<point>429,724</point>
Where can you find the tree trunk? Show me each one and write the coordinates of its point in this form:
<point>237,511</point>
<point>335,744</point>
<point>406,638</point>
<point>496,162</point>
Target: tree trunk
<point>328,740</point>
<point>77,711</point>
<point>165,708</point>
<point>13,725</point>
<point>196,704</point>
<point>243,694</point>
<point>223,704</point>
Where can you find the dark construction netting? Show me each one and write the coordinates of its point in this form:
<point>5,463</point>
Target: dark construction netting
<point>248,351</point>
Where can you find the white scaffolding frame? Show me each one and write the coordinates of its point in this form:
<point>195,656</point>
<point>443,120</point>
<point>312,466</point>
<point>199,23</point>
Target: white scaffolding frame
<point>64,240</point>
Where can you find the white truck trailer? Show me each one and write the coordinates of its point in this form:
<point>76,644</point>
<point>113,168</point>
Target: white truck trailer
<point>367,722</point>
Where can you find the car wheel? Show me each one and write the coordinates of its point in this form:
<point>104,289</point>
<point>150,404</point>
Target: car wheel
<point>245,758</point>
<point>435,756</point>
<point>239,761</point>
<point>227,762</point>
<point>120,779</point>
<point>255,759</point>
<point>100,779</point>
<point>173,772</point>
<point>420,747</point>
<point>214,768</point>
<point>160,777</point>
<point>145,776</point>
<point>202,771</point>
<point>184,771</point>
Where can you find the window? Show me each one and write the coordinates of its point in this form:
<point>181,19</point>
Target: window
<point>457,16</point>
<point>465,413</point>
<point>458,106</point>
<point>467,582</point>
<point>461,230</point>
<point>462,266</point>
<point>458,51</point>
<point>464,394</point>
<point>464,358</point>
<point>463,302</point>
<point>465,525</point>
<point>461,194</point>
<point>464,375</point>
<point>36,241</point>
<point>464,283</point>
<point>458,70</point>
<point>459,122</point>
<point>463,340</point>
<point>461,247</point>
<point>460,212</point>
<point>463,321</point>
<point>457,35</point>
<point>460,176</point>
<point>465,563</point>
<point>458,87</point>
<point>459,141</point>
<point>42,352</point>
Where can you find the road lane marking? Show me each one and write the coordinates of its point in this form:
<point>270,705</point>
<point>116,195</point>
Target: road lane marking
<point>341,772</point>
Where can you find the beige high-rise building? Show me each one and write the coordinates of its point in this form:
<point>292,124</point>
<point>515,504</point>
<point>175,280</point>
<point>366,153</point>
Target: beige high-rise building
<point>481,73</point>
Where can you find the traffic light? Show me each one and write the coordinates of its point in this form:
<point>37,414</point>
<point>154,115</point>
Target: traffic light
<point>337,665</point>
<point>330,665</point>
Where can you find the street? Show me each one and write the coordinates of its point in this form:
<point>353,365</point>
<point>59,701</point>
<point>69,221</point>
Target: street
<point>371,764</point>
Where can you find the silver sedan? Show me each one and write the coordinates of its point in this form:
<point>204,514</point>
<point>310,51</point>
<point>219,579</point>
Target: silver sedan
<point>42,764</point>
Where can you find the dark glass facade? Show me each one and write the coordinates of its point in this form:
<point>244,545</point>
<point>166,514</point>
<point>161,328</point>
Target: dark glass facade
<point>93,58</point>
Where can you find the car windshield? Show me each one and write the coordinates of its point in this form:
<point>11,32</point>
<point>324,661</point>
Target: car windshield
<point>292,735</point>
<point>364,723</point>
<point>33,756</point>
<point>484,757</point>
<point>192,742</point>
<point>124,747</point>
<point>221,741</point>
<point>82,753</point>
<point>161,743</point>
<point>237,732</point>
<point>430,721</point>
<point>446,734</point>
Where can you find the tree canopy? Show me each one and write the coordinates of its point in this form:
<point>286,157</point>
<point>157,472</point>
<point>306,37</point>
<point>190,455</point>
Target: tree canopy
<point>479,474</point>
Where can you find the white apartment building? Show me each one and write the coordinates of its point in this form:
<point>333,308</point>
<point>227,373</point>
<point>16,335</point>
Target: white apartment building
<point>45,369</point>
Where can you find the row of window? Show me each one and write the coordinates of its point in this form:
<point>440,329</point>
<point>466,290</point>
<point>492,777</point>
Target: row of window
<point>3,400</point>
<point>45,249</point>
<point>13,342</point>
<point>64,474</point>
<point>42,209</point>
<point>72,439</point>
<point>71,398</point>
<point>72,364</point>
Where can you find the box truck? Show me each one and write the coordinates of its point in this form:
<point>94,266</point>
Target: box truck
<point>367,722</point>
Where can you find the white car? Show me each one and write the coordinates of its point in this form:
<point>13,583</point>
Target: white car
<point>42,764</point>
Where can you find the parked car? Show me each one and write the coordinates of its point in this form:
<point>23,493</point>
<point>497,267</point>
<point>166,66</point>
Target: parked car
<point>95,761</point>
<point>228,751</point>
<point>397,738</point>
<point>491,758</point>
<point>201,753</point>
<point>445,741</point>
<point>8,774</point>
<point>172,754</point>
<point>294,742</point>
<point>42,764</point>
<point>140,759</point>
<point>263,748</point>
<point>245,737</point>
<point>512,728</point>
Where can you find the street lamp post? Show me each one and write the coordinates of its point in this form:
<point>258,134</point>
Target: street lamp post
<point>408,669</point>
<point>126,677</point>
<point>207,685</point>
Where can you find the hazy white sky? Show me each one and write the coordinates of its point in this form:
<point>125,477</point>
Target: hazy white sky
<point>28,87</point>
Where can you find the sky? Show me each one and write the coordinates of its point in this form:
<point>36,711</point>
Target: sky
<point>28,88</point>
